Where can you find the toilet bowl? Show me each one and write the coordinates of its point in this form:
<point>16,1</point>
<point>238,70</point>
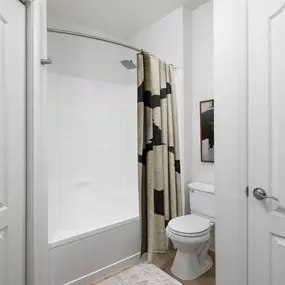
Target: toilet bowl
<point>190,234</point>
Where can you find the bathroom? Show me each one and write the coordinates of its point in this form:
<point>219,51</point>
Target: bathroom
<point>92,130</point>
<point>142,142</point>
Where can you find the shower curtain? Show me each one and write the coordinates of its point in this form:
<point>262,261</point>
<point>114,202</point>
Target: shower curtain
<point>158,153</point>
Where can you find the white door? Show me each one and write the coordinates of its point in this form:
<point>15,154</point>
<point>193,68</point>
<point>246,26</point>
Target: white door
<point>266,142</point>
<point>12,142</point>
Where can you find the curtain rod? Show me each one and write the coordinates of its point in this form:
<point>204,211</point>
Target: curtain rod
<point>88,36</point>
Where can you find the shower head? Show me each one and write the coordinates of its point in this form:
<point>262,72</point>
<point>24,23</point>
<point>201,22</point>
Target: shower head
<point>128,64</point>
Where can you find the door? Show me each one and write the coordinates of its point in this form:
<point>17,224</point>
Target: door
<point>266,243</point>
<point>12,142</point>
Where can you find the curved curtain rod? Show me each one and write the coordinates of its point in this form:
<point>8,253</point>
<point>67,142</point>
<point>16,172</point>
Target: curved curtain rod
<point>88,36</point>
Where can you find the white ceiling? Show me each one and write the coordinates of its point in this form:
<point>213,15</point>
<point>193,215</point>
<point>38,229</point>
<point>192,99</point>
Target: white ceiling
<point>121,18</point>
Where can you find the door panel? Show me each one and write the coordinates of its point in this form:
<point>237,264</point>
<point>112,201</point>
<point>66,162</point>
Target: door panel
<point>277,260</point>
<point>277,102</point>
<point>3,200</point>
<point>3,257</point>
<point>12,142</point>
<point>2,106</point>
<point>266,141</point>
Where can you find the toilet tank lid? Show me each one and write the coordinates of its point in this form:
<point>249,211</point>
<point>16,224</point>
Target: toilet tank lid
<point>203,187</point>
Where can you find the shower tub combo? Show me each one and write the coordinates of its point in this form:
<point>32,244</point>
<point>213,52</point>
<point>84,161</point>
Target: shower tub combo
<point>94,228</point>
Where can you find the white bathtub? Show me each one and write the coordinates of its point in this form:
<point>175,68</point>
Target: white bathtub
<point>80,257</point>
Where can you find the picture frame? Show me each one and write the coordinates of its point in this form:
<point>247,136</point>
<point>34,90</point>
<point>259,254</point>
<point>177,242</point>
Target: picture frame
<point>207,130</point>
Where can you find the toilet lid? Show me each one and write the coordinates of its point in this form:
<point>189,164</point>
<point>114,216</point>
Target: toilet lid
<point>189,224</point>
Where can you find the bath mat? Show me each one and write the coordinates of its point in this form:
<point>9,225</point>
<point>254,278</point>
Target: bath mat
<point>142,274</point>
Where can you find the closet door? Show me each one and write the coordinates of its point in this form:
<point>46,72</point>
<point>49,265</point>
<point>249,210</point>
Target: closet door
<point>12,142</point>
<point>266,142</point>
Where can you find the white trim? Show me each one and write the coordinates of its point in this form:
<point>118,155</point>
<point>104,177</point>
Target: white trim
<point>37,223</point>
<point>231,92</point>
<point>106,271</point>
<point>61,242</point>
<point>187,107</point>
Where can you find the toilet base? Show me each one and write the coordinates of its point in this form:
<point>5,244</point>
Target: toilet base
<point>188,267</point>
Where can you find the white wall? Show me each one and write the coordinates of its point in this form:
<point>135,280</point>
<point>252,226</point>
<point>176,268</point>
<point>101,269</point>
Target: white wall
<point>164,38</point>
<point>187,105</point>
<point>202,84</point>
<point>230,89</point>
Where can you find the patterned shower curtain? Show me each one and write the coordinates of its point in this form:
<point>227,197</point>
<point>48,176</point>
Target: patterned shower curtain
<point>158,153</point>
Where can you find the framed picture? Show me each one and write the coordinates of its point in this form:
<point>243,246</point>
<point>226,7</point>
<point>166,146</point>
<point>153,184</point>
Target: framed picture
<point>207,130</point>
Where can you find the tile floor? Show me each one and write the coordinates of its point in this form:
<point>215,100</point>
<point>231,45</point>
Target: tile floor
<point>164,262</point>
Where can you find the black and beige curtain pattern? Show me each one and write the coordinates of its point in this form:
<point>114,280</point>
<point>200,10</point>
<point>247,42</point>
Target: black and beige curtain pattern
<point>158,153</point>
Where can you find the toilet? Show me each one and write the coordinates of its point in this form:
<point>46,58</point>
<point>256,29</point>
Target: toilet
<point>191,234</point>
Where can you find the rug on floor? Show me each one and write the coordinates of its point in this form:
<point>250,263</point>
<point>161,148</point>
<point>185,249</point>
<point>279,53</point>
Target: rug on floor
<point>142,274</point>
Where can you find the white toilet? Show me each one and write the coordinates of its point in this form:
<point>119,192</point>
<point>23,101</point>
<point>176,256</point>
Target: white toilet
<point>190,234</point>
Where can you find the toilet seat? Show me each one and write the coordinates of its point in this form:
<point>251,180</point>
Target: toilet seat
<point>189,234</point>
<point>189,226</point>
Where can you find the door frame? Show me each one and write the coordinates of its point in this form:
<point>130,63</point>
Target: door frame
<point>231,166</point>
<point>13,198</point>
<point>37,269</point>
<point>230,87</point>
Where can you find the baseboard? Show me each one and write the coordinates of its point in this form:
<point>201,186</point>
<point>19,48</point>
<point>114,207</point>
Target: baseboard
<point>108,270</point>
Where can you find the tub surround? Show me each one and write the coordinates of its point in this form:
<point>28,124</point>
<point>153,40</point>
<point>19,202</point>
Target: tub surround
<point>85,118</point>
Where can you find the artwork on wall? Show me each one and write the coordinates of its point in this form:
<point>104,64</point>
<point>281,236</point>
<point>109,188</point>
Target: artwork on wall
<point>207,130</point>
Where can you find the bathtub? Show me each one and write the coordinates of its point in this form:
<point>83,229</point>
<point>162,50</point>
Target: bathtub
<point>82,256</point>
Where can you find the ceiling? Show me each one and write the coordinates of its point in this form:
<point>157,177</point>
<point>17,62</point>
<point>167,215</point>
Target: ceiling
<point>120,18</point>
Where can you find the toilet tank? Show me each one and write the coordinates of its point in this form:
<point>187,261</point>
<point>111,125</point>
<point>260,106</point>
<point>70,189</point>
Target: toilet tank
<point>202,200</point>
